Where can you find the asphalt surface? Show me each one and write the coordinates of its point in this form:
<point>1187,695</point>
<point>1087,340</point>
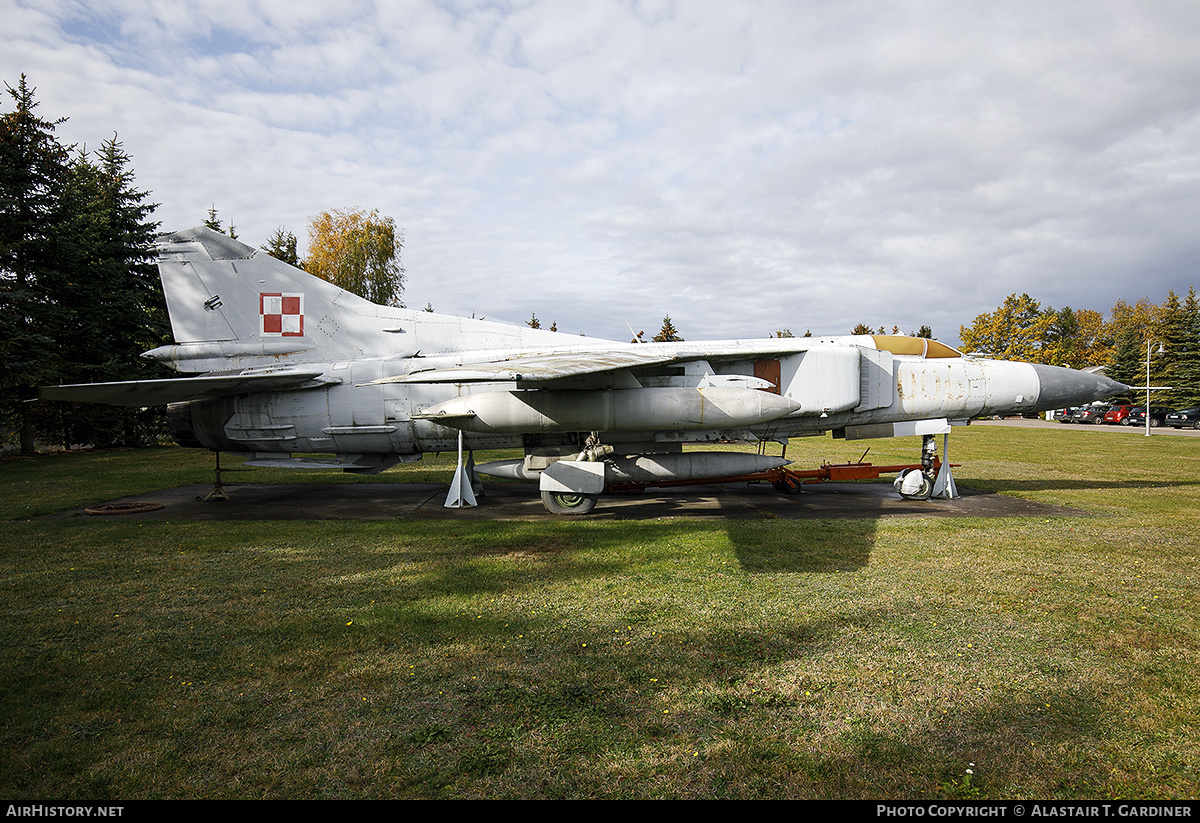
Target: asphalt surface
<point>517,501</point>
<point>1098,428</point>
<point>522,501</point>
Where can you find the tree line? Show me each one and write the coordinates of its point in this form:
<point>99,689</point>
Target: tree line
<point>863,328</point>
<point>355,249</point>
<point>80,297</point>
<point>1021,329</point>
<point>79,291</point>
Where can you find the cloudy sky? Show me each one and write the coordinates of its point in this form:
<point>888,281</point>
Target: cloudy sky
<point>743,167</point>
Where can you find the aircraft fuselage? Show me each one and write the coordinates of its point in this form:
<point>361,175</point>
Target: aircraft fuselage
<point>281,364</point>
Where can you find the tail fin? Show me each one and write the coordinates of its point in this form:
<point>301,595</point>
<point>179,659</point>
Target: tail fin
<point>233,306</point>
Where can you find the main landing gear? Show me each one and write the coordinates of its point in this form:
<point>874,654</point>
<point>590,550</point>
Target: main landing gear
<point>933,479</point>
<point>572,487</point>
<point>569,502</point>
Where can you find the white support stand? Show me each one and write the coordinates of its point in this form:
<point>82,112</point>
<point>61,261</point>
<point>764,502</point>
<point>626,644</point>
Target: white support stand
<point>461,495</point>
<point>943,486</point>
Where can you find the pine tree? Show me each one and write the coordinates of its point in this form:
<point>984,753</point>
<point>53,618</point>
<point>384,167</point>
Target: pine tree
<point>79,293</point>
<point>214,223</point>
<point>667,334</point>
<point>1061,344</point>
<point>1189,371</point>
<point>1127,364</point>
<point>33,167</point>
<point>1172,328</point>
<point>282,246</point>
<point>107,291</point>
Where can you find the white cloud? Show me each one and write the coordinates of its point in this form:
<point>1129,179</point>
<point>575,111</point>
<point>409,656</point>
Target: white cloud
<point>743,167</point>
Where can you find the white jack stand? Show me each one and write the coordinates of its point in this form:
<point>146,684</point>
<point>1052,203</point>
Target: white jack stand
<point>461,495</point>
<point>943,486</point>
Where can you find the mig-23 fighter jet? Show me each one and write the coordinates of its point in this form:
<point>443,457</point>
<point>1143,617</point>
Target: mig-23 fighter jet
<point>283,364</point>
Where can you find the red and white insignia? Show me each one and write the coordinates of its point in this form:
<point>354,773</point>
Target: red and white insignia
<point>281,315</point>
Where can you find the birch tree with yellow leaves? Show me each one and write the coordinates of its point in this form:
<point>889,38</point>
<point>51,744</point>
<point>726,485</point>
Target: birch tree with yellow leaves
<point>358,251</point>
<point>1015,331</point>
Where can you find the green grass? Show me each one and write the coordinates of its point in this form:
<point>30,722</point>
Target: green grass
<point>1053,657</point>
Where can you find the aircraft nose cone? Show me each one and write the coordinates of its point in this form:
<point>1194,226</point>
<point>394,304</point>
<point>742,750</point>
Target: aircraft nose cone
<point>1061,387</point>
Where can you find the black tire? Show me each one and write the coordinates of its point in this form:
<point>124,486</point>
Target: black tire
<point>1154,423</point>
<point>568,503</point>
<point>788,485</point>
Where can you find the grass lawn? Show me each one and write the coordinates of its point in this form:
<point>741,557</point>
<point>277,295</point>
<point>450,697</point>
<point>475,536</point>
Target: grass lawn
<point>675,658</point>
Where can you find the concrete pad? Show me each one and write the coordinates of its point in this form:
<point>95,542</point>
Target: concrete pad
<point>517,501</point>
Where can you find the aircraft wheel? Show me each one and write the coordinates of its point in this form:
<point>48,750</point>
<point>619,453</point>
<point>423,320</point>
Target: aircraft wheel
<point>914,484</point>
<point>568,503</point>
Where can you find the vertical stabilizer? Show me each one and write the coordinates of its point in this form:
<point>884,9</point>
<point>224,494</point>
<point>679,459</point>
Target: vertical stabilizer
<point>199,274</point>
<point>233,306</point>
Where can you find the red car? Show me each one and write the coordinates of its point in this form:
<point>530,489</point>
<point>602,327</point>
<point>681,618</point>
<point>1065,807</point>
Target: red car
<point>1118,414</point>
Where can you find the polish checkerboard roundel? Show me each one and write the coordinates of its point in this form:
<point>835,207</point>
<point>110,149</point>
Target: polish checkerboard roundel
<point>281,315</point>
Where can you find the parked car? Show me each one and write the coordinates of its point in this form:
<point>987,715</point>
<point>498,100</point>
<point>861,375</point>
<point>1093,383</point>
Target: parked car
<point>1118,414</point>
<point>1184,419</point>
<point>1089,414</point>
<point>1158,415</point>
<point>1068,415</point>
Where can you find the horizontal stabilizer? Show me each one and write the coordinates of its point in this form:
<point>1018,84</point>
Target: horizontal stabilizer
<point>138,393</point>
